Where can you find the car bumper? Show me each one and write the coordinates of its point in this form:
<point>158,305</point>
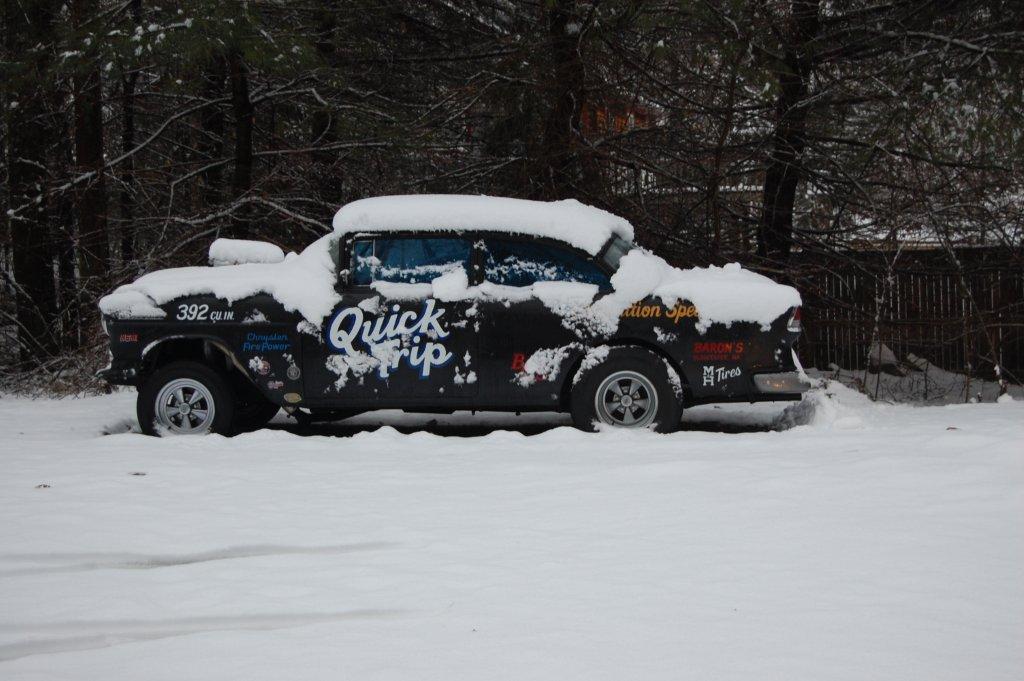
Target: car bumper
<point>120,373</point>
<point>781,383</point>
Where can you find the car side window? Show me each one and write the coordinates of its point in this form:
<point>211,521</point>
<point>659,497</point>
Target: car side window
<point>407,260</point>
<point>521,263</point>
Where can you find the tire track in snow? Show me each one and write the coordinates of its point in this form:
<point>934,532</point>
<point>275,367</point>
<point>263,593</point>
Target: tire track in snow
<point>94,634</point>
<point>139,561</point>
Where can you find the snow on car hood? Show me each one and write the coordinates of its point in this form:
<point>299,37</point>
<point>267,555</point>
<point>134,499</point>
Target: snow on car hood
<point>302,283</point>
<point>569,221</point>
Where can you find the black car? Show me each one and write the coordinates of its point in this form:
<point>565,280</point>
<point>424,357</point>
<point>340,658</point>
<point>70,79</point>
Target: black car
<point>441,303</point>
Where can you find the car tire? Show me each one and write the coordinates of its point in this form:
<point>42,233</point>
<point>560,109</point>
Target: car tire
<point>631,389</point>
<point>209,399</point>
<point>253,412</point>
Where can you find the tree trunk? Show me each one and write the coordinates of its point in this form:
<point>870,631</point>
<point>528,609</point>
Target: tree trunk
<point>28,25</point>
<point>324,121</point>
<point>210,144</point>
<point>784,168</point>
<point>242,109</point>
<point>127,143</point>
<point>559,151</point>
<point>715,184</point>
<point>128,169</point>
<point>91,203</point>
<point>68,298</point>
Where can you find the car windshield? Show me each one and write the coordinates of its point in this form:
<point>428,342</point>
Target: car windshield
<point>615,250</point>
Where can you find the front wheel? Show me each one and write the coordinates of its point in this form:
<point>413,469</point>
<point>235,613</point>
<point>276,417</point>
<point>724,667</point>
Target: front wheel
<point>629,389</point>
<point>185,398</point>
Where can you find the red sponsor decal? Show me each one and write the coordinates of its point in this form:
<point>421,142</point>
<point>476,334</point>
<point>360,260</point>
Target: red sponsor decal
<point>128,338</point>
<point>518,361</point>
<point>714,351</point>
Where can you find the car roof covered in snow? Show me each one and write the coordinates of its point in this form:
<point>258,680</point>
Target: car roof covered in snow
<point>570,221</point>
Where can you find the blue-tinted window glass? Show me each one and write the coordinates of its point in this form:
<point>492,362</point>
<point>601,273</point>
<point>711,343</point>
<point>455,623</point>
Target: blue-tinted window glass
<point>407,261</point>
<point>362,263</point>
<point>521,263</point>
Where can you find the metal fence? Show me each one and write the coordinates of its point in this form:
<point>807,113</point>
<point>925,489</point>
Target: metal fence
<point>925,304</point>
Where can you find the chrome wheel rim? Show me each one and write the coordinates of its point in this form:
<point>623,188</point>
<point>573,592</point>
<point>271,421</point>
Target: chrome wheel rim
<point>626,399</point>
<point>185,407</point>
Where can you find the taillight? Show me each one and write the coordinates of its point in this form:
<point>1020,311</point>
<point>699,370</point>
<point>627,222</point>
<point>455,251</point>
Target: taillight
<point>794,321</point>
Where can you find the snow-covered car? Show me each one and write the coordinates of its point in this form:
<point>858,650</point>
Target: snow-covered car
<point>441,303</point>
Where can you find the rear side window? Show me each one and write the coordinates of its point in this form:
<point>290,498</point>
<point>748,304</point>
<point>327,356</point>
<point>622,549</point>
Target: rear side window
<point>521,263</point>
<point>407,260</point>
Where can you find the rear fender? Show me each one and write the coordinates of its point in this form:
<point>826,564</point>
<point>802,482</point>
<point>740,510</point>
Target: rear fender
<point>571,375</point>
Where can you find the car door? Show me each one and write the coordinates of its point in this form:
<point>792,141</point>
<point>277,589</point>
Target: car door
<point>391,342</point>
<point>530,283</point>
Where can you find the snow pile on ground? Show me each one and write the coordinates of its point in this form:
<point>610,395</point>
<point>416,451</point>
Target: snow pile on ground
<point>583,226</point>
<point>891,551</point>
<point>722,295</point>
<point>832,405</point>
<point>302,283</point>
<point>921,383</point>
<point>241,251</point>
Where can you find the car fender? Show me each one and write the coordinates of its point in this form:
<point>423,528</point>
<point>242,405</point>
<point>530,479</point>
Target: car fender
<point>214,341</point>
<point>574,373</point>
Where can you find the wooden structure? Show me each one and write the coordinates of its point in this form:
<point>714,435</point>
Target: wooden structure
<point>955,317</point>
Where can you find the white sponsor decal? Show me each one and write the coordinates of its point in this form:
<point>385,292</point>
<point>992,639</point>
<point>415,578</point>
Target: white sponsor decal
<point>714,375</point>
<point>203,313</point>
<point>397,336</point>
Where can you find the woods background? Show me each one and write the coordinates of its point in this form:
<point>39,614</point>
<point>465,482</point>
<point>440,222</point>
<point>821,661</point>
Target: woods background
<point>868,152</point>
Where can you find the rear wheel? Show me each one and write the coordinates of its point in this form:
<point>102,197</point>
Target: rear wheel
<point>185,398</point>
<point>629,389</point>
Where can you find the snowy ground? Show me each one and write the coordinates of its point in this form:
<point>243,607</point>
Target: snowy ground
<point>873,542</point>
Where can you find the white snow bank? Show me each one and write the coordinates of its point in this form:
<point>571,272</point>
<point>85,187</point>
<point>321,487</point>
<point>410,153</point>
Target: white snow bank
<point>891,552</point>
<point>721,294</point>
<point>832,406</point>
<point>240,251</point>
<point>302,283</point>
<point>583,226</point>
<point>923,383</point>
